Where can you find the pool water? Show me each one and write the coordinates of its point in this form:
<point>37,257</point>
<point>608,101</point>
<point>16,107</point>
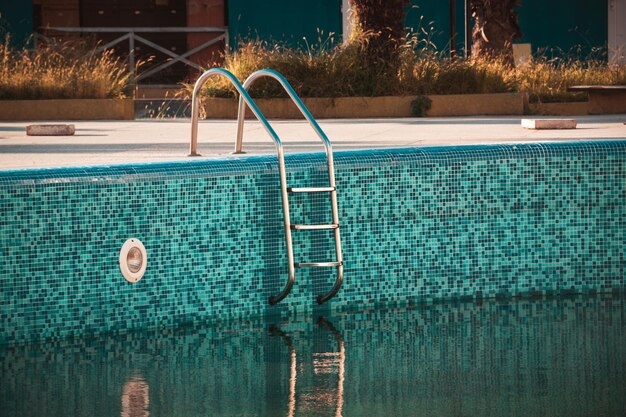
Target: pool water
<point>543,357</point>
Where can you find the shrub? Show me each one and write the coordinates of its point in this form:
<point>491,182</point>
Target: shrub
<point>420,106</point>
<point>547,80</point>
<point>64,70</point>
<point>345,71</point>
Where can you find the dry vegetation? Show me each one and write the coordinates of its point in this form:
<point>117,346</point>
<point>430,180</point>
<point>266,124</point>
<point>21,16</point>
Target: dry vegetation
<point>547,80</point>
<point>73,70</point>
<point>344,71</point>
<point>68,70</point>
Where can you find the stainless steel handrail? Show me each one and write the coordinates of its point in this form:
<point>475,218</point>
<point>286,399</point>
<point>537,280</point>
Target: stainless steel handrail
<point>279,151</point>
<point>329,157</point>
<point>243,94</point>
<point>294,97</point>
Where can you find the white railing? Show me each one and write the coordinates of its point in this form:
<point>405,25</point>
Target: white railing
<point>130,34</point>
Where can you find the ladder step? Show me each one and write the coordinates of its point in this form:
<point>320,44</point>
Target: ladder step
<point>307,264</point>
<point>311,189</point>
<point>314,226</point>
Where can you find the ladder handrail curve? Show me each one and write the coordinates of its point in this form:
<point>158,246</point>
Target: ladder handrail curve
<point>321,299</point>
<point>329,157</point>
<point>294,98</point>
<point>244,97</point>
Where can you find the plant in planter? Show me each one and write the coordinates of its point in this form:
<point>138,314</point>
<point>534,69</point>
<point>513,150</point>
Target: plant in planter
<point>63,70</point>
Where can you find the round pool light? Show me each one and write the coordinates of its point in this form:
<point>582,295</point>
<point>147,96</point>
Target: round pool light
<point>133,260</point>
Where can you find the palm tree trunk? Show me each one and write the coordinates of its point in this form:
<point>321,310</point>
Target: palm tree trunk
<point>380,24</point>
<point>495,27</point>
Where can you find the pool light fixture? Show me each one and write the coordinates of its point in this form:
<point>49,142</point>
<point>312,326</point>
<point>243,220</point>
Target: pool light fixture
<point>133,260</point>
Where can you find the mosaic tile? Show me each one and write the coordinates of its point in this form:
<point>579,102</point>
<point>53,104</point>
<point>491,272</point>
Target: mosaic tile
<point>418,225</point>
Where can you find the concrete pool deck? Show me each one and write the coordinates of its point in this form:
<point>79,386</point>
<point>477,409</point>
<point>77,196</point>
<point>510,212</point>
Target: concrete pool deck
<point>120,142</point>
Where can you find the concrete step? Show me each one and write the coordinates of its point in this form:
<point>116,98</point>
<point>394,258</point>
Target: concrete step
<point>537,124</point>
<point>50,130</point>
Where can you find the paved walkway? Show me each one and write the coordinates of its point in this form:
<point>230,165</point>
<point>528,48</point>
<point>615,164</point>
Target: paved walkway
<point>117,142</point>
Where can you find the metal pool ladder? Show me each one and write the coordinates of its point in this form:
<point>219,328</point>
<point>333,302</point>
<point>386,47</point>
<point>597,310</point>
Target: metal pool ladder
<point>244,98</point>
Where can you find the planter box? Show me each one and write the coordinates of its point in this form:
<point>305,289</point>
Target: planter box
<point>321,108</point>
<point>477,105</point>
<point>366,107</point>
<point>559,109</point>
<point>69,109</point>
<point>607,103</point>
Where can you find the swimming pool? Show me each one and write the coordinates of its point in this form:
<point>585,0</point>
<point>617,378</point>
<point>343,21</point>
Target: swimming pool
<point>480,280</point>
<point>418,225</point>
<point>548,357</point>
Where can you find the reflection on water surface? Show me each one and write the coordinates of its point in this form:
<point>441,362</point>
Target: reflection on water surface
<point>514,358</point>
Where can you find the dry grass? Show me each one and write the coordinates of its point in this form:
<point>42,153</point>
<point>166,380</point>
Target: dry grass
<point>72,70</point>
<point>67,70</point>
<point>344,71</point>
<point>323,72</point>
<point>434,74</point>
<point>547,80</point>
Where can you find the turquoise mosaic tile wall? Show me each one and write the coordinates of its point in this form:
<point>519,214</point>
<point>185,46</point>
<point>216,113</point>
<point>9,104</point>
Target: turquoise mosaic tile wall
<point>418,225</point>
